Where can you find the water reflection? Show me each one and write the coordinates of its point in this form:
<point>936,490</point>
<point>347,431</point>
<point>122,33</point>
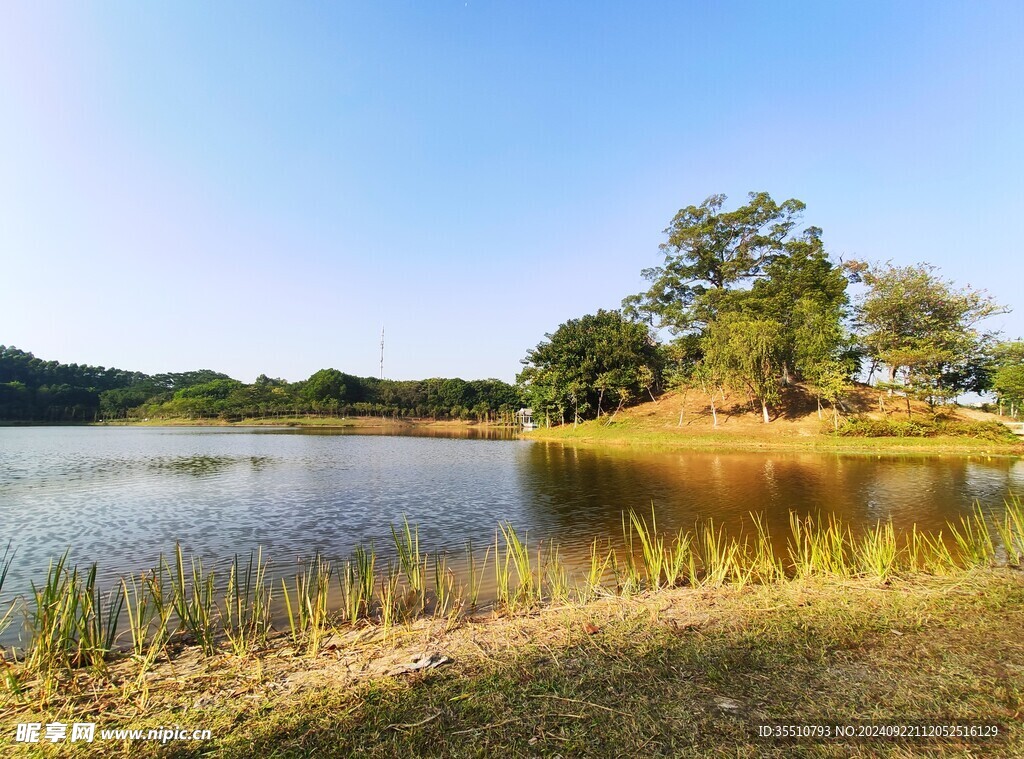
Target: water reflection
<point>585,490</point>
<point>203,466</point>
<point>451,432</point>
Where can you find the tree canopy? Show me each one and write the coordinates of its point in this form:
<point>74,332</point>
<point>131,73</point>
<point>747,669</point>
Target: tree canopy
<point>708,253</point>
<point>589,365</point>
<point>1008,375</point>
<point>750,300</point>
<point>925,330</point>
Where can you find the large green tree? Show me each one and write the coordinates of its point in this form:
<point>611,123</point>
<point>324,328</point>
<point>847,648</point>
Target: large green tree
<point>710,254</point>
<point>925,330</point>
<point>805,293</point>
<point>747,354</point>
<point>588,365</point>
<point>325,389</point>
<point>1008,375</point>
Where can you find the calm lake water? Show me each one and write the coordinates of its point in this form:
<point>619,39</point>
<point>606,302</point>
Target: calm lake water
<point>121,496</point>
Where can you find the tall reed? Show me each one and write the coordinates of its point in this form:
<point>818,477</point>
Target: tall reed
<point>593,584</point>
<point>765,566</point>
<point>719,555</point>
<point>556,577</point>
<point>5,565</point>
<point>413,563</point>
<point>246,609</point>
<point>926,552</point>
<point>357,581</point>
<point>517,554</point>
<point>628,579</point>
<point>1011,530</point>
<point>817,548</point>
<point>475,576</point>
<point>974,540</point>
<point>877,553</point>
<point>444,586</point>
<point>502,574</point>
<point>678,558</point>
<point>652,546</point>
<point>390,602</point>
<point>73,623</point>
<point>308,612</point>
<point>194,600</point>
<point>149,613</point>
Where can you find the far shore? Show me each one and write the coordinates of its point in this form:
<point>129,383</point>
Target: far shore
<point>326,422</point>
<point>649,426</point>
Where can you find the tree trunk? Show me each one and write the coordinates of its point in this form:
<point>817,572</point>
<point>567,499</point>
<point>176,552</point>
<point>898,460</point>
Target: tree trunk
<point>714,414</point>
<point>818,397</point>
<point>764,412</point>
<point>612,417</point>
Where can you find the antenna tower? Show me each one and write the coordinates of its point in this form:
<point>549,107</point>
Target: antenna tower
<point>382,352</point>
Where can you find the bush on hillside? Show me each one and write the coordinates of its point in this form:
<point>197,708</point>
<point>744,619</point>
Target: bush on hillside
<point>867,427</point>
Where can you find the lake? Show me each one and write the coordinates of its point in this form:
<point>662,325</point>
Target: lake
<point>121,496</point>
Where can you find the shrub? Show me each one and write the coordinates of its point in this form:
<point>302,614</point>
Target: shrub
<point>867,427</point>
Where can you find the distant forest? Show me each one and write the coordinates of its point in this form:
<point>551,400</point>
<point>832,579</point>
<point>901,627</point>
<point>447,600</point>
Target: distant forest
<point>34,390</point>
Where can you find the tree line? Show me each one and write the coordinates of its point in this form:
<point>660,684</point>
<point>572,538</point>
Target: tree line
<point>34,390</point>
<point>751,302</point>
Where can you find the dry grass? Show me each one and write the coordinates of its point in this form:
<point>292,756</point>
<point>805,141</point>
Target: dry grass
<point>795,425</point>
<point>681,672</point>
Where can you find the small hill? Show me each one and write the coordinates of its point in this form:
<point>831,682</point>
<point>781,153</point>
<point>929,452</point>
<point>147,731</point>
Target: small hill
<point>798,409</point>
<point>686,417</point>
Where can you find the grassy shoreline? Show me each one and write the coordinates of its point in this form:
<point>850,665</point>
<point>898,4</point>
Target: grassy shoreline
<point>627,434</point>
<point>674,672</point>
<point>698,639</point>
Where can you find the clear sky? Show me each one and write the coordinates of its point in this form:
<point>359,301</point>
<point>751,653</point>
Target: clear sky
<point>257,187</point>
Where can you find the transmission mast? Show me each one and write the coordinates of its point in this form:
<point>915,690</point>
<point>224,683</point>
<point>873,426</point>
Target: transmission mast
<point>382,352</point>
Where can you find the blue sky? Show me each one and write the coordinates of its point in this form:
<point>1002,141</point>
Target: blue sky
<point>257,187</point>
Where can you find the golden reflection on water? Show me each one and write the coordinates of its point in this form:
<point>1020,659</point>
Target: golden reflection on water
<point>586,489</point>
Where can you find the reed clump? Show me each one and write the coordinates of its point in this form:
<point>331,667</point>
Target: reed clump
<point>72,622</point>
<point>5,565</point>
<point>357,582</point>
<point>412,561</point>
<point>308,609</point>
<point>245,616</point>
<point>194,600</point>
